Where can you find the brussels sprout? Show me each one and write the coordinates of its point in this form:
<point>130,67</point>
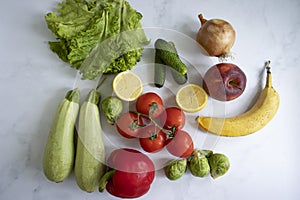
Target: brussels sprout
<point>198,163</point>
<point>175,169</point>
<point>206,153</point>
<point>219,165</point>
<point>112,108</point>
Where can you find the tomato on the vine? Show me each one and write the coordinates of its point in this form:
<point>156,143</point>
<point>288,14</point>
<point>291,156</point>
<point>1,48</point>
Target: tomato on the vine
<point>175,118</point>
<point>150,104</point>
<point>181,145</point>
<point>128,124</point>
<point>152,138</point>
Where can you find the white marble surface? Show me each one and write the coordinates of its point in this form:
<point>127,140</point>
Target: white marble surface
<point>32,81</point>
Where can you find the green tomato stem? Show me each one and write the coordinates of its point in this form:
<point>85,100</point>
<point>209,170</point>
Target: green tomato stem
<point>166,131</point>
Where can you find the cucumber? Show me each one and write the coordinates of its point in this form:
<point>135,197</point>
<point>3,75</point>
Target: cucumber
<point>169,56</point>
<point>159,72</point>
<point>179,78</point>
<point>58,158</point>
<point>90,152</point>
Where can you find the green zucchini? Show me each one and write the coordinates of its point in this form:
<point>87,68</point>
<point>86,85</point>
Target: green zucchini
<point>90,152</point>
<point>169,56</point>
<point>58,159</point>
<point>159,72</point>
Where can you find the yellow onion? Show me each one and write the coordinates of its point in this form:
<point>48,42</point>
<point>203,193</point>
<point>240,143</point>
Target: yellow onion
<point>216,36</point>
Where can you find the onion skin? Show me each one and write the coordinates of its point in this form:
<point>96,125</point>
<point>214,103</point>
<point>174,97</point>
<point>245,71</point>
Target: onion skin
<point>216,36</point>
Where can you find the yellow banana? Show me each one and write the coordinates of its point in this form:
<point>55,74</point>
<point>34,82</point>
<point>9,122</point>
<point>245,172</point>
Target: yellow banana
<point>249,122</point>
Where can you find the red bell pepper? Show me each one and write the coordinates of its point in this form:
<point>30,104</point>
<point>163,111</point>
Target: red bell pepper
<point>130,176</point>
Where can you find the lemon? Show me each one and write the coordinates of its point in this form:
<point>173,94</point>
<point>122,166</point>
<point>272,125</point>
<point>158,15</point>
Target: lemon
<point>191,98</point>
<point>127,86</point>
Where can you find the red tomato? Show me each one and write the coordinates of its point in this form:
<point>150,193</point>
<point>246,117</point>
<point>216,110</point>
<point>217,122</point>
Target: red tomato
<point>181,145</point>
<point>175,117</point>
<point>128,124</point>
<point>150,104</point>
<point>152,139</point>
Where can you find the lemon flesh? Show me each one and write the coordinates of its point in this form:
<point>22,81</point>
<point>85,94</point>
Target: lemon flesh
<point>191,98</point>
<point>127,86</point>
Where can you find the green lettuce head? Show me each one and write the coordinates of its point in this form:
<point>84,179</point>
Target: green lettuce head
<point>97,36</point>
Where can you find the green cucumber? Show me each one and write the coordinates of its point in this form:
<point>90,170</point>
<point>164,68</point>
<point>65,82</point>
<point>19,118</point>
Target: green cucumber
<point>179,78</point>
<point>159,72</point>
<point>58,159</point>
<point>90,152</point>
<point>167,54</point>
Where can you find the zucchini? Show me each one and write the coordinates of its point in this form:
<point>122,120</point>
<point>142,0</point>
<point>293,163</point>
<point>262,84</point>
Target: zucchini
<point>159,72</point>
<point>90,152</point>
<point>167,54</point>
<point>58,159</point>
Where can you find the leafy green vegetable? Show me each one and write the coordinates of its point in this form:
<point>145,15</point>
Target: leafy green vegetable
<point>97,36</point>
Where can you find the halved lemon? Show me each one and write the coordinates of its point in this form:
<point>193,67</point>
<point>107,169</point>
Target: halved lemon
<point>127,86</point>
<point>191,98</point>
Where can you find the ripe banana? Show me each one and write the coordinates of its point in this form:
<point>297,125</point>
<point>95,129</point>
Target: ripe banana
<point>249,122</point>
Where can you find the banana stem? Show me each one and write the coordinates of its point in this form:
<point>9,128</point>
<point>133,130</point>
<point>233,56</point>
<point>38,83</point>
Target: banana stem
<point>269,75</point>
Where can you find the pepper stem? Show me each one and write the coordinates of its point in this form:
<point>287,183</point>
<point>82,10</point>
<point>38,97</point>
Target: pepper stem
<point>108,175</point>
<point>269,75</point>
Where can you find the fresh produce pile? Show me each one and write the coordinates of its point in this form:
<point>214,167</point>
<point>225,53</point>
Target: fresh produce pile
<point>105,36</point>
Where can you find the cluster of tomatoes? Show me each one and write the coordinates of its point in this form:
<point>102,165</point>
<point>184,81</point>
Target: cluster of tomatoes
<point>156,126</point>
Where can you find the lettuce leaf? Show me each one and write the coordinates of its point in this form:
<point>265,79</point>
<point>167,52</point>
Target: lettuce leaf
<point>97,36</point>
